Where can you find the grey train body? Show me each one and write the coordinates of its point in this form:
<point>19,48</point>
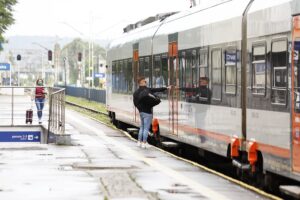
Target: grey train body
<point>206,66</point>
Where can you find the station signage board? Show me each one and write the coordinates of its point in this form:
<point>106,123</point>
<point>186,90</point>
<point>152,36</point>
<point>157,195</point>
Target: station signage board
<point>99,75</point>
<point>4,66</point>
<point>20,136</point>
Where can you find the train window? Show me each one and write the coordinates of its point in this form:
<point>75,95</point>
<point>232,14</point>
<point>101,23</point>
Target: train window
<point>216,65</point>
<point>164,66</point>
<point>147,71</point>
<point>191,75</point>
<point>181,74</point>
<point>195,67</point>
<point>188,70</point>
<point>279,58</point>
<point>158,80</point>
<point>204,92</point>
<point>141,66</point>
<point>259,73</point>
<point>203,64</point>
<point>113,72</point>
<point>117,76</point>
<point>230,71</point>
<point>121,77</point>
<point>129,77</point>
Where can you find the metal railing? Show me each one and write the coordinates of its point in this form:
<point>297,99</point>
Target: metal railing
<point>56,123</point>
<point>16,101</point>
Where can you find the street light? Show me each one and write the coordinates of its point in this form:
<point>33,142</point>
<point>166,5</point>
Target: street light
<point>65,69</point>
<point>48,50</point>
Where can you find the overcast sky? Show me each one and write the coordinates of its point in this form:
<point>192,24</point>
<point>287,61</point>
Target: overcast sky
<point>79,18</point>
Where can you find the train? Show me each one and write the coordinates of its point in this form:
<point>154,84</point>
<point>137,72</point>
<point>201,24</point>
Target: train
<point>234,75</point>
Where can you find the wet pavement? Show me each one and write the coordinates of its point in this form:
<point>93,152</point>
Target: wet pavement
<point>103,163</point>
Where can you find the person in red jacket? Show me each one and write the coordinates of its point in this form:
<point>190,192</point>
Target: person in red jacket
<point>40,98</point>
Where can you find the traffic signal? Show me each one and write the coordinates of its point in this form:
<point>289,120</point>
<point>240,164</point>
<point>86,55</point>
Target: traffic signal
<point>18,57</point>
<point>79,57</point>
<point>49,55</point>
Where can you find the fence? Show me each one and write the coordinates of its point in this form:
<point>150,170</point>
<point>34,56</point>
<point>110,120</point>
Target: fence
<point>86,93</point>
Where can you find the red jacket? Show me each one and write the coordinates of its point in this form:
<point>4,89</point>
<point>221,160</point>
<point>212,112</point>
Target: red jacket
<point>40,92</point>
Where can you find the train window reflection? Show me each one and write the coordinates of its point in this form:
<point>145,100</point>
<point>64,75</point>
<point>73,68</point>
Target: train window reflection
<point>113,81</point>
<point>181,75</point>
<point>164,66</point>
<point>129,76</point>
<point>279,72</point>
<point>259,69</point>
<point>122,70</point>
<point>141,67</point>
<point>204,91</point>
<point>117,76</point>
<point>157,73</point>
<point>147,71</point>
<point>216,62</point>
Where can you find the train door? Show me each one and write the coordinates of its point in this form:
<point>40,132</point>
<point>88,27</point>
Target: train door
<point>135,77</point>
<point>296,95</point>
<point>174,83</point>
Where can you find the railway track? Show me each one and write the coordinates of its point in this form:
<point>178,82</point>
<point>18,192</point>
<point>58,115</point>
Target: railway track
<point>212,163</point>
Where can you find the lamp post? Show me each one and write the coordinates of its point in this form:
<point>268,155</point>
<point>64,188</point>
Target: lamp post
<point>65,70</point>
<point>90,50</point>
<point>43,68</point>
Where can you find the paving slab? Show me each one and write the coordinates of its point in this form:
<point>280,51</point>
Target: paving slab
<point>103,163</point>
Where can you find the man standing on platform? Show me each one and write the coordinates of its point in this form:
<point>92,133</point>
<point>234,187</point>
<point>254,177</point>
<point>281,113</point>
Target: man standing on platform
<point>144,100</point>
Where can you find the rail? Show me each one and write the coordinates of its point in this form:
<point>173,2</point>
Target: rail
<point>56,123</point>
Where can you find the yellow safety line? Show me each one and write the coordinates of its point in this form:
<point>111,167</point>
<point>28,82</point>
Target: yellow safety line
<point>245,185</point>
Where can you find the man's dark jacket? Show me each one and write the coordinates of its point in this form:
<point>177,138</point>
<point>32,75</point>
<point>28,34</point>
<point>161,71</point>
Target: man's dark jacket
<point>140,101</point>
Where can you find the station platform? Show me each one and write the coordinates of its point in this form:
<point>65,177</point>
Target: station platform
<point>104,163</point>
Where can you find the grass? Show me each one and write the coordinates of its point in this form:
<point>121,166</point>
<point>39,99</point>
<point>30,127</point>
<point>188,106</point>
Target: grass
<point>89,104</point>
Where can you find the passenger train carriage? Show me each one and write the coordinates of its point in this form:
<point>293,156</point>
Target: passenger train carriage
<point>233,68</point>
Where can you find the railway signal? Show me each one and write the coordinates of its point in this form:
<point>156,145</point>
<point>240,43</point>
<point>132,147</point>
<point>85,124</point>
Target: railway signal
<point>79,58</point>
<point>49,55</point>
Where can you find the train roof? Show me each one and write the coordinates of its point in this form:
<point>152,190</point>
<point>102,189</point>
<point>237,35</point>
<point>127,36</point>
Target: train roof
<point>195,17</point>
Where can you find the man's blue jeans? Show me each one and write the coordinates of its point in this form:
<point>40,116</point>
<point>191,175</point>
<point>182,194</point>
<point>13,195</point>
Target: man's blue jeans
<point>146,120</point>
<point>39,102</point>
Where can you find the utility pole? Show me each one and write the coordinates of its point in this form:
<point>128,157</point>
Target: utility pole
<point>65,69</point>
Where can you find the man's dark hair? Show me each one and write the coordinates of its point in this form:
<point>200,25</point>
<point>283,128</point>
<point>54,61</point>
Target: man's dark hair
<point>140,79</point>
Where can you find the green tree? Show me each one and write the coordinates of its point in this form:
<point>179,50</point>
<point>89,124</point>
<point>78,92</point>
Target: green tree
<point>6,16</point>
<point>71,50</point>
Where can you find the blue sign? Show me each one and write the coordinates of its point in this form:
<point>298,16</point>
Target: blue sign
<point>4,66</point>
<point>231,57</point>
<point>20,136</point>
<point>100,75</point>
